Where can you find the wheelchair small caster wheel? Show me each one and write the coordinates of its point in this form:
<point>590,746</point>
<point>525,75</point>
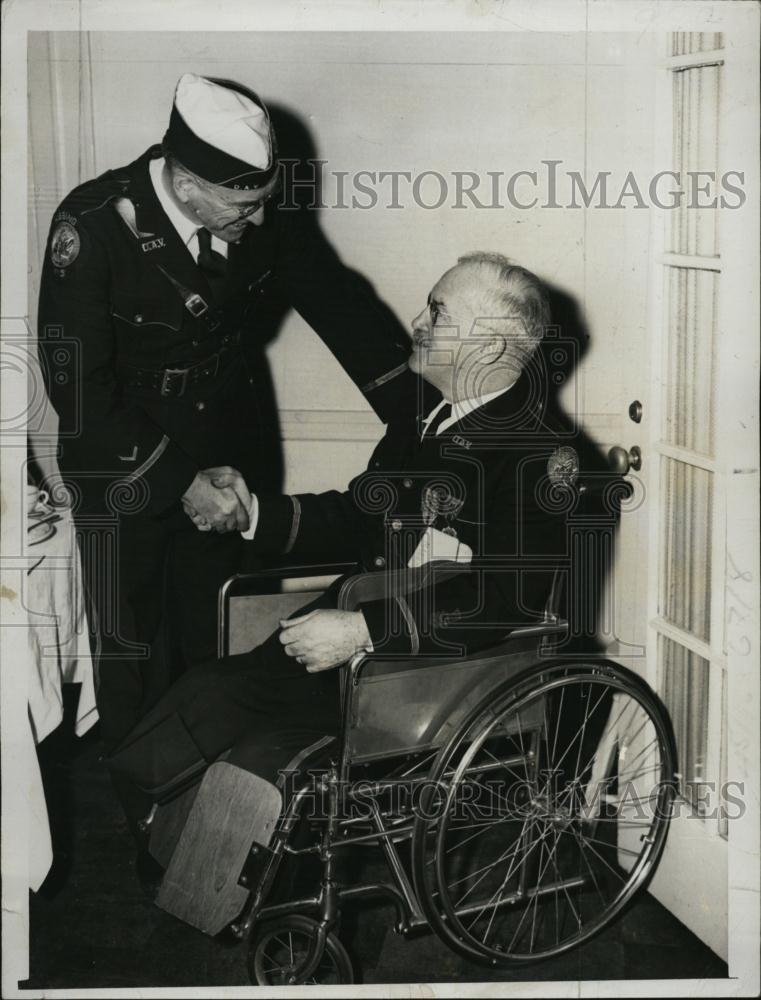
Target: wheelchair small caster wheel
<point>280,949</point>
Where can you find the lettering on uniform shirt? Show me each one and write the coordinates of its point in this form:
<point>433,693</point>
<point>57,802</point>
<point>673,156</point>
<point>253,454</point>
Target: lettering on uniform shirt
<point>461,441</point>
<point>129,458</point>
<point>65,243</point>
<point>156,244</point>
<point>64,216</point>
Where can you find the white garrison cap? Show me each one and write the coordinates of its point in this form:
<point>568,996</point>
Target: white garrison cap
<point>225,119</point>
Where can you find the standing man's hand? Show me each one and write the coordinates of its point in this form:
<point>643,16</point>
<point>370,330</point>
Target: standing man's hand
<point>213,505</point>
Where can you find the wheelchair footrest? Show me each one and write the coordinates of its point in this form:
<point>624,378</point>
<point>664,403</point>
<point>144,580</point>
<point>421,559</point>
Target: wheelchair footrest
<point>232,810</point>
<point>168,823</point>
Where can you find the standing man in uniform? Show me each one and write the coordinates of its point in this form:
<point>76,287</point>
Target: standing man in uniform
<point>156,276</point>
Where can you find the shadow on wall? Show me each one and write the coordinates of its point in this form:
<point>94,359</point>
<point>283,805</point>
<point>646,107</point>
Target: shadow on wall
<point>594,522</point>
<point>295,142</point>
<point>296,146</point>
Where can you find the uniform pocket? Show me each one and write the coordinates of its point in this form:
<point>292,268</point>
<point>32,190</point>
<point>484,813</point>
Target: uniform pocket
<point>138,311</point>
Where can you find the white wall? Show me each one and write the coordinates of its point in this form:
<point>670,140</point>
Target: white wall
<point>391,101</point>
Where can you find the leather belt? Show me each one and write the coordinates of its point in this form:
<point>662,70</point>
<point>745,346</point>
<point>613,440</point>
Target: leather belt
<point>173,382</point>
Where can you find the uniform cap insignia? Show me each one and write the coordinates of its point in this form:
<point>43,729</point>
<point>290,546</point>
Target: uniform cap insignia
<point>64,245</point>
<point>563,466</point>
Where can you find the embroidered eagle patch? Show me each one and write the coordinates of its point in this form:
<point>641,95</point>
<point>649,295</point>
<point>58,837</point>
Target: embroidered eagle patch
<point>64,245</point>
<point>563,466</point>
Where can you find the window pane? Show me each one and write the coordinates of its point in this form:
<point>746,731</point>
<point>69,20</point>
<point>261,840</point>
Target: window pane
<point>696,135</point>
<point>687,501</point>
<point>684,690</point>
<point>690,373</point>
<point>687,42</point>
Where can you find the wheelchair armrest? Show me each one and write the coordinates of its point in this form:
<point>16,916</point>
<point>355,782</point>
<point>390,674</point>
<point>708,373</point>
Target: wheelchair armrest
<point>517,639</point>
<point>366,587</point>
<point>252,582</point>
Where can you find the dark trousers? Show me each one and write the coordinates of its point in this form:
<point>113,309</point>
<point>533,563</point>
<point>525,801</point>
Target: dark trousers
<point>262,705</point>
<point>152,588</point>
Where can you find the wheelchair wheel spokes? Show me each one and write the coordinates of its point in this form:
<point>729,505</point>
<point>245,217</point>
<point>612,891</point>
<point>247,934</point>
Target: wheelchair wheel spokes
<point>281,950</point>
<point>525,869</point>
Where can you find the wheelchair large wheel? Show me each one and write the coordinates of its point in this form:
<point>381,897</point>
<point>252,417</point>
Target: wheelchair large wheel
<point>545,812</point>
<point>281,948</point>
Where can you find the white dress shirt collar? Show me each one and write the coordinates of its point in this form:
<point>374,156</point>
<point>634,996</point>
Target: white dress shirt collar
<point>462,408</point>
<point>186,228</point>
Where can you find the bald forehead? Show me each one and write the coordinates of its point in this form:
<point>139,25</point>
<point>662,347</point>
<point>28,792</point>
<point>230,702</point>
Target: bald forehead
<point>465,283</point>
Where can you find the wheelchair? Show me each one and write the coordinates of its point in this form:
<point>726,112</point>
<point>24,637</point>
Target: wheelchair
<point>520,797</point>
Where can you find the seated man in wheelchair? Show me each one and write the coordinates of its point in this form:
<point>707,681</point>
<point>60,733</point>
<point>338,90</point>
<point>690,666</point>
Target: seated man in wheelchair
<point>478,478</point>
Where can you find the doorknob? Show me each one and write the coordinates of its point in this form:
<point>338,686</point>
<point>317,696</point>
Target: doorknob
<point>621,460</point>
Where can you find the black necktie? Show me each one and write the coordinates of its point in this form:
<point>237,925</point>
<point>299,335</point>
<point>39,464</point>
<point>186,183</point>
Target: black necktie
<point>213,264</point>
<point>433,425</point>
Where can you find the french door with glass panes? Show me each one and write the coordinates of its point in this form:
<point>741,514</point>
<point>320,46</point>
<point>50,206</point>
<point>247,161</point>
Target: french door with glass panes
<point>692,482</point>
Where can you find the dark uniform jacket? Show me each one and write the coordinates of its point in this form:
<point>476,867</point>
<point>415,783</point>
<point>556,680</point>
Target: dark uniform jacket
<point>508,480</point>
<point>149,372</point>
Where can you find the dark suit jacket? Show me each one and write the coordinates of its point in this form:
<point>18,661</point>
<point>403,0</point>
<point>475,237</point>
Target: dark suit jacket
<point>507,480</point>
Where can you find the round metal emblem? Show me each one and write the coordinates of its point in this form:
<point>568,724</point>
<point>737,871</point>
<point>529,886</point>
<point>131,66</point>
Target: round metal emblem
<point>65,245</point>
<point>563,466</point>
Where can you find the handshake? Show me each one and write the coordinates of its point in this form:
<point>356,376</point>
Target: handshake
<point>218,500</point>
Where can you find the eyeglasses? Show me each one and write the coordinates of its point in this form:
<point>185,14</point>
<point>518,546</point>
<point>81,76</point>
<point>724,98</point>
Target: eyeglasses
<point>244,211</point>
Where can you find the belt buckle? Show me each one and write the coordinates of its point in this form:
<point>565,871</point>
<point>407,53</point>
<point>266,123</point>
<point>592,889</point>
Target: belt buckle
<point>169,374</point>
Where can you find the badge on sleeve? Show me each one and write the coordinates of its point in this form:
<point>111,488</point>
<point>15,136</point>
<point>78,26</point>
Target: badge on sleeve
<point>64,245</point>
<point>563,466</point>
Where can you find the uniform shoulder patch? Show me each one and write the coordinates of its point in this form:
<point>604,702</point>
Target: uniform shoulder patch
<point>563,466</point>
<point>65,243</point>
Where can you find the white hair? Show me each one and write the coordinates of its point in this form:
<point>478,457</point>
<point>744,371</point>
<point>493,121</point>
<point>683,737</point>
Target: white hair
<point>511,293</point>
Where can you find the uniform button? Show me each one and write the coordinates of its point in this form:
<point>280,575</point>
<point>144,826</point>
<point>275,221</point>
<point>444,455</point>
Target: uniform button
<point>196,343</point>
<point>396,525</point>
<point>407,483</point>
<point>380,562</point>
<point>138,317</point>
<point>200,405</point>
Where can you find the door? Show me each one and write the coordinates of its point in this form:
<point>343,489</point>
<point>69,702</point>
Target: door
<point>682,556</point>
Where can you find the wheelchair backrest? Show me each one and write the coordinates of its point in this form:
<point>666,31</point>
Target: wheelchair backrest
<point>250,605</point>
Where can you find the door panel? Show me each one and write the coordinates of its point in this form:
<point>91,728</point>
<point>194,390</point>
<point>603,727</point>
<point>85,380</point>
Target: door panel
<point>687,486</point>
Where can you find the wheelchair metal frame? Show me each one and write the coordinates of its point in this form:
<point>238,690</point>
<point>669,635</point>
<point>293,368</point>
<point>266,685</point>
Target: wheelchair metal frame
<point>386,830</point>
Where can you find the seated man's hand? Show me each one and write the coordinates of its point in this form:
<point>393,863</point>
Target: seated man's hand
<point>323,639</point>
<point>218,499</point>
